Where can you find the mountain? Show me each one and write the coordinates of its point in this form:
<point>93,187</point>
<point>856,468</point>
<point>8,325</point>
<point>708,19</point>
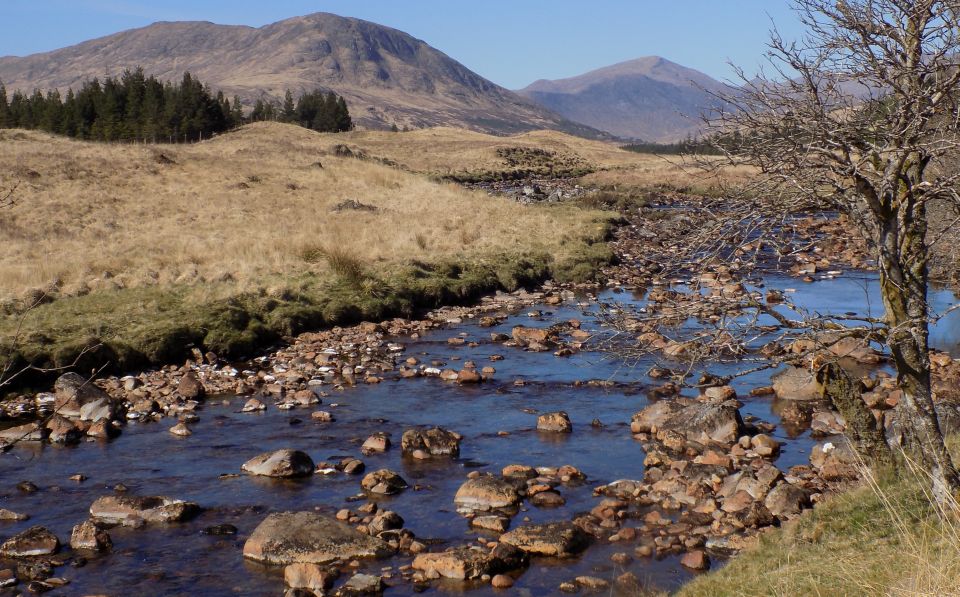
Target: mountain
<point>650,98</point>
<point>386,76</point>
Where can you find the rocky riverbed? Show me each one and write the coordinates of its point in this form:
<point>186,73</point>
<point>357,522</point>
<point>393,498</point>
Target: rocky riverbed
<point>479,449</point>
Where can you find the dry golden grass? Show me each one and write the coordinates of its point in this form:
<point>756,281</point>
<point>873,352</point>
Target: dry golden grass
<point>244,206</point>
<point>444,150</point>
<point>668,173</point>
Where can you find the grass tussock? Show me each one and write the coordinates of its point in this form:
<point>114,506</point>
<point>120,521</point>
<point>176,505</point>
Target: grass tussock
<point>244,239</point>
<point>888,537</point>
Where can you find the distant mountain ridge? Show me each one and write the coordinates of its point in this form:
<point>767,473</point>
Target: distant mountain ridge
<point>650,99</point>
<point>387,76</point>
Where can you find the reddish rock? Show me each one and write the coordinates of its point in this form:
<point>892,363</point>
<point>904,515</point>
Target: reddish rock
<point>190,387</point>
<point>312,577</point>
<point>696,560</point>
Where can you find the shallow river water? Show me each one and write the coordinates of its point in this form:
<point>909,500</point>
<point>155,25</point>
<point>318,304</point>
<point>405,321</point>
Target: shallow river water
<point>179,560</point>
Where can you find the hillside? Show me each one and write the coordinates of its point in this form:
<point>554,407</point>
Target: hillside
<point>386,76</point>
<point>650,98</point>
<point>246,237</point>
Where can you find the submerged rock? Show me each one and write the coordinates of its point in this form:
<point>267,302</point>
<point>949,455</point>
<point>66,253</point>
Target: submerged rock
<point>307,537</point>
<point>280,463</point>
<point>361,584</point>
<point>796,383</point>
<point>30,432</point>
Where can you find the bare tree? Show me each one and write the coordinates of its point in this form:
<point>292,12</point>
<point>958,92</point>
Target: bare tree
<point>858,117</point>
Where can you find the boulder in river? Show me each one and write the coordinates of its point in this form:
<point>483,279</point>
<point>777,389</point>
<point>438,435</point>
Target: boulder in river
<point>131,510</point>
<point>62,430</point>
<point>383,482</point>
<point>87,535</point>
<point>556,539</point>
<point>557,422</point>
<point>422,443</point>
<point>534,338</point>
<point>280,463</point>
<point>468,563</point>
<point>707,422</point>
<point>285,538</point>
<point>385,520</point>
<point>72,392</point>
<point>377,443</point>
<point>35,541</point>
<point>486,493</point>
<point>461,563</point>
<point>9,515</point>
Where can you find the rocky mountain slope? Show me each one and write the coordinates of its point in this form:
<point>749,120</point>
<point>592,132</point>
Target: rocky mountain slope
<point>650,98</point>
<point>386,76</point>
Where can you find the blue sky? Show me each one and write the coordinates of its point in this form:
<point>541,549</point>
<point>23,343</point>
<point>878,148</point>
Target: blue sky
<point>511,42</point>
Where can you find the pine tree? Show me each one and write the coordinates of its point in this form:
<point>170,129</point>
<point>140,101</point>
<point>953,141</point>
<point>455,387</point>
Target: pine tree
<point>342,119</point>
<point>236,113</point>
<point>289,113</point>
<point>4,107</point>
<point>71,117</point>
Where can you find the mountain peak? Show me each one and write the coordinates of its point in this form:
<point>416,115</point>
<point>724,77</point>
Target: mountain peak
<point>649,98</point>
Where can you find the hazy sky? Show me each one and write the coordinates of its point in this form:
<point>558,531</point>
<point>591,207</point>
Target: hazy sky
<point>511,42</point>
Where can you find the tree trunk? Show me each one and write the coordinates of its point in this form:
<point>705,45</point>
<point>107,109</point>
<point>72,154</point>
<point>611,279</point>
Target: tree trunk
<point>865,434</point>
<point>903,286</point>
